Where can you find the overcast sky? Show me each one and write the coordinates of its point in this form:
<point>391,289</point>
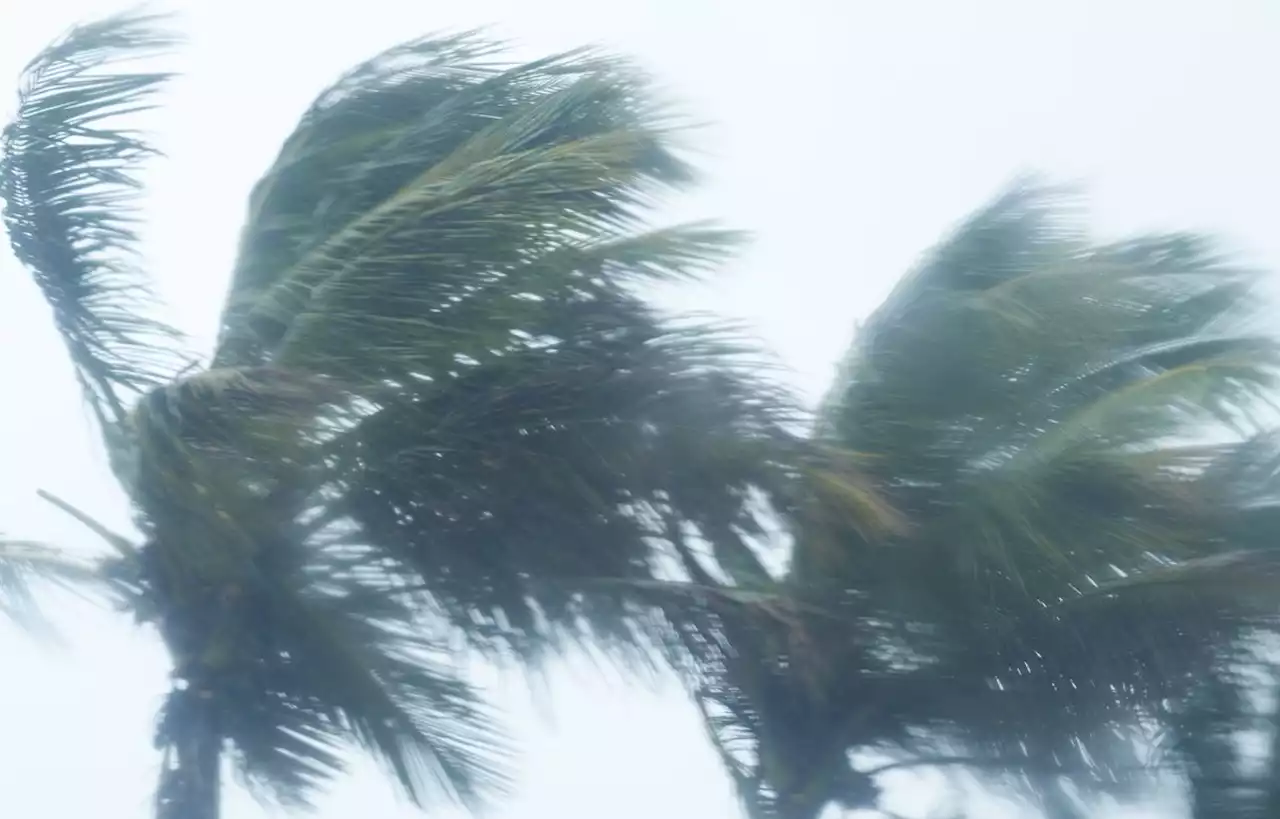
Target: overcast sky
<point>848,134</point>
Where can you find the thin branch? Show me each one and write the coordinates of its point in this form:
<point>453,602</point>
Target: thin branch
<point>987,762</point>
<point>118,542</point>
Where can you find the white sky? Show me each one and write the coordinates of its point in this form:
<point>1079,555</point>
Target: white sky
<point>848,135</point>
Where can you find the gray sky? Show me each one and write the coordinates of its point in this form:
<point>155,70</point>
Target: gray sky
<point>848,135</point>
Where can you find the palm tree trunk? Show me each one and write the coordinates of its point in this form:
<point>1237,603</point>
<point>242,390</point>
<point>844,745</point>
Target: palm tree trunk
<point>190,783</point>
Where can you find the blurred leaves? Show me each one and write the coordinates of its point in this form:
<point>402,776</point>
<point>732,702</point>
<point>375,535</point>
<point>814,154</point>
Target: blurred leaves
<point>439,416</point>
<point>23,561</point>
<point>431,201</point>
<point>68,178</point>
<point>440,419</point>
<point>1063,429</point>
<point>286,658</point>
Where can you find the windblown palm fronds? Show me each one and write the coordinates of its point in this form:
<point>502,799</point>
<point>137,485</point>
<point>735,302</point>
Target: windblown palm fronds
<point>440,419</point>
<point>437,408</point>
<point>1047,414</point>
<point>68,175</point>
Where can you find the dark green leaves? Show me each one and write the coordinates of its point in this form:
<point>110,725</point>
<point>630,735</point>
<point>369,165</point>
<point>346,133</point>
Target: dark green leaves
<point>431,202</point>
<point>285,657</point>
<point>987,381</point>
<point>454,241</point>
<point>437,408</point>
<point>67,178</point>
<point>532,495</point>
<point>1036,409</point>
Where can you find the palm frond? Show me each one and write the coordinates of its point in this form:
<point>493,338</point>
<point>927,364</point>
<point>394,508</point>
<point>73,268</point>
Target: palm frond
<point>285,658</point>
<point>1081,363</point>
<point>21,562</point>
<point>68,176</point>
<point>453,241</point>
<point>289,715</point>
<point>526,492</point>
<point>430,203</point>
<point>1032,404</point>
<point>1241,578</point>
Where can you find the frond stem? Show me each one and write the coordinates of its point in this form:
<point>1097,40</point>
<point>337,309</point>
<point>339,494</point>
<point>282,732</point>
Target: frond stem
<point>118,542</point>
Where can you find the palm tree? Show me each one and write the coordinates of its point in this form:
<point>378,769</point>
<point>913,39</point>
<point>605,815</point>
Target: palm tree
<point>438,417</point>
<point>1055,434</point>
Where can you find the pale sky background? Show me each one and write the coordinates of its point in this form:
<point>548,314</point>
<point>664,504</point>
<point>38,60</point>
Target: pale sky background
<point>848,135</point>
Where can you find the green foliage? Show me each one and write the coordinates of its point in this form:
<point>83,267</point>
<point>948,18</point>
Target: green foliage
<point>68,173</point>
<point>432,199</point>
<point>438,416</point>
<point>525,494</point>
<point>1028,402</point>
<point>284,654</point>
<point>439,419</point>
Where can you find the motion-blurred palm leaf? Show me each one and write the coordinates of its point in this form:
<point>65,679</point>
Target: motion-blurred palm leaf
<point>286,657</point>
<point>21,563</point>
<point>67,180</point>
<point>432,200</point>
<point>526,492</point>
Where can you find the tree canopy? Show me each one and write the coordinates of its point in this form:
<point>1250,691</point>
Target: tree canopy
<point>1069,444</point>
<point>1029,529</point>
<point>438,417</point>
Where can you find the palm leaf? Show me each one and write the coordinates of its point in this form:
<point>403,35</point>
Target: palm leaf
<point>285,657</point>
<point>21,562</point>
<point>68,175</point>
<point>525,493</point>
<point>288,716</point>
<point>1239,579</point>
<point>430,202</point>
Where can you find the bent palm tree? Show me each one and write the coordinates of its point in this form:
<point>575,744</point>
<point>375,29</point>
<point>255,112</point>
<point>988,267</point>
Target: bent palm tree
<point>1035,407</point>
<point>436,408</point>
